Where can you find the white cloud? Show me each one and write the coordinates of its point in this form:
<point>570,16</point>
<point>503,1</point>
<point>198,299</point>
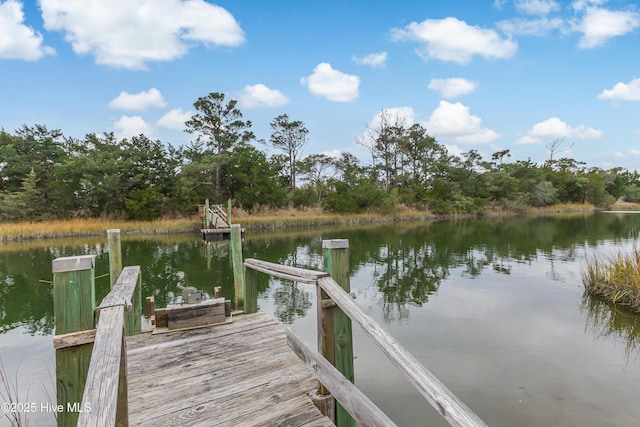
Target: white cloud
<point>452,87</point>
<point>555,128</point>
<point>332,84</point>
<point>131,33</point>
<point>126,127</point>
<point>537,7</point>
<point>140,101</point>
<point>405,115</point>
<point>453,40</point>
<point>174,119</point>
<point>17,41</point>
<point>335,154</point>
<point>581,5</point>
<point>257,96</point>
<point>375,60</point>
<point>631,153</point>
<point>599,25</point>
<point>623,92</point>
<point>454,121</point>
<point>530,27</point>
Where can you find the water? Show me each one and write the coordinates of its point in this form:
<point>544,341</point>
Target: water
<point>493,307</point>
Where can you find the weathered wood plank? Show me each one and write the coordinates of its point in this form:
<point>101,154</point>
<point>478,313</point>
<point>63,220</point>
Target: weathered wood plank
<point>101,391</point>
<point>207,312</point>
<point>452,409</point>
<point>73,339</point>
<point>156,342</point>
<point>363,410</point>
<point>124,290</point>
<point>217,377</point>
<point>279,268</point>
<point>280,275</point>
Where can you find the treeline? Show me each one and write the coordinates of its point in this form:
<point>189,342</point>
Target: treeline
<point>44,174</point>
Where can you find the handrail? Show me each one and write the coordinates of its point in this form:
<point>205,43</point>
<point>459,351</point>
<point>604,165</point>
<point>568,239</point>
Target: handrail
<point>105,395</point>
<point>437,394</point>
<point>449,406</point>
<point>363,410</point>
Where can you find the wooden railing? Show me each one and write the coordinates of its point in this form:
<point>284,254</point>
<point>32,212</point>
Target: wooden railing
<point>105,392</point>
<point>334,338</point>
<point>91,369</point>
<point>214,216</point>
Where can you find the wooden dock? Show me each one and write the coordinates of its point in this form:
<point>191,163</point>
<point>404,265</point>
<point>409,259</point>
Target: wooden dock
<point>241,373</point>
<point>245,372</point>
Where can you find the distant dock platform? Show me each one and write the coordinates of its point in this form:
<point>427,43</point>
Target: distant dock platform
<point>218,233</point>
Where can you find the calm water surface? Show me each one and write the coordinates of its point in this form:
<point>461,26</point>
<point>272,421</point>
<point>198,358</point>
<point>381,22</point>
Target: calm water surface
<point>493,307</point>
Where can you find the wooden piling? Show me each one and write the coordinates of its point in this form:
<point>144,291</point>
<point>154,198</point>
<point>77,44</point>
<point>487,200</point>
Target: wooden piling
<point>115,255</point>
<point>229,221</point>
<point>73,305</point>
<point>238,269</point>
<point>336,262</point>
<point>250,290</point>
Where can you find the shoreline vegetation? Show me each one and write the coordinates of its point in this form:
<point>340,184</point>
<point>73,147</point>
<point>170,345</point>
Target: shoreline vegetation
<point>615,279</point>
<point>266,220</point>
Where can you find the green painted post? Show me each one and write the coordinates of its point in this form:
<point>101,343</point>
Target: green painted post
<point>229,222</point>
<point>336,263</point>
<point>74,303</point>
<point>238,268</point>
<point>115,255</point>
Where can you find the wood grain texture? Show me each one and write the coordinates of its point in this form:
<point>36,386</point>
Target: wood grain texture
<point>440,397</point>
<point>292,271</point>
<point>103,377</point>
<point>363,410</point>
<point>238,270</point>
<point>115,255</point>
<point>73,339</point>
<point>237,374</point>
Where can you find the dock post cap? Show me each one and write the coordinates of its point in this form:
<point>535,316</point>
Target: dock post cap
<point>335,244</point>
<point>113,230</point>
<point>235,225</point>
<point>73,263</point>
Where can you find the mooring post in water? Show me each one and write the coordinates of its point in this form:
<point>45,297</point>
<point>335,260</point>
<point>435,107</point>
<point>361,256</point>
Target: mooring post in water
<point>229,222</point>
<point>115,255</point>
<point>335,333</point>
<point>74,302</point>
<point>238,268</point>
<point>250,290</point>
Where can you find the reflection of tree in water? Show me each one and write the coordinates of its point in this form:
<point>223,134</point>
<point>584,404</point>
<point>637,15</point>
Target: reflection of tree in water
<point>291,302</point>
<point>614,321</point>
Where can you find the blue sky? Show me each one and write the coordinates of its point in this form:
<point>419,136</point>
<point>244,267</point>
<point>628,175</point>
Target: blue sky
<point>484,75</point>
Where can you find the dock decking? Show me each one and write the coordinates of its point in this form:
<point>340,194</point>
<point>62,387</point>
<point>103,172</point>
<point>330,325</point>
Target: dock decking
<point>237,374</point>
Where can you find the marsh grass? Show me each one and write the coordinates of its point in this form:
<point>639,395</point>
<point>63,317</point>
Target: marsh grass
<point>265,219</point>
<point>9,393</point>
<point>616,279</point>
<point>92,227</point>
